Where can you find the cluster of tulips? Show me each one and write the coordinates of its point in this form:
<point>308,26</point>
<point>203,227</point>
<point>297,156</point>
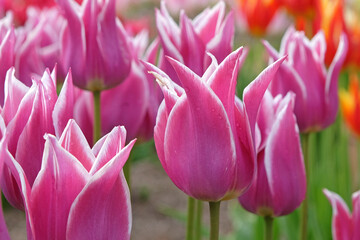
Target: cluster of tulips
<point>76,87</point>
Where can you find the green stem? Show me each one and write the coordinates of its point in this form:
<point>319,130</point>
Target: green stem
<point>190,219</point>
<point>268,227</point>
<point>305,205</point>
<point>214,220</point>
<point>198,219</point>
<point>97,116</point>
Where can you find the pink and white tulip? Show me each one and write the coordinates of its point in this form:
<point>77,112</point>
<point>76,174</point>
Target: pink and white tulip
<point>344,224</point>
<point>304,73</point>
<point>79,193</point>
<point>28,114</point>
<point>203,134</point>
<point>280,184</point>
<point>94,44</point>
<point>189,42</point>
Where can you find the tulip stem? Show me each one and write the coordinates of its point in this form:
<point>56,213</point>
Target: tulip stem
<point>198,218</point>
<point>214,220</point>
<point>97,116</point>
<point>305,205</point>
<point>268,227</point>
<point>190,219</point>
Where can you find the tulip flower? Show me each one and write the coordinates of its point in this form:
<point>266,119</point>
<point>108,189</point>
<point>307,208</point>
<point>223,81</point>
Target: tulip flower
<point>304,73</point>
<point>335,17</point>
<point>28,114</point>
<point>189,42</point>
<point>202,136</point>
<point>350,105</point>
<point>258,14</point>
<point>94,44</point>
<point>344,224</point>
<point>19,7</point>
<point>97,203</point>
<point>37,44</point>
<point>280,185</point>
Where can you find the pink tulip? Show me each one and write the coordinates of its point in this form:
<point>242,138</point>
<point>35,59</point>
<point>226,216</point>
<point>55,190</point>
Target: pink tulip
<point>79,193</point>
<point>280,185</point>
<point>28,114</point>
<point>189,42</point>
<point>203,137</point>
<point>37,43</point>
<point>344,224</point>
<point>132,104</point>
<point>94,44</point>
<point>304,73</point>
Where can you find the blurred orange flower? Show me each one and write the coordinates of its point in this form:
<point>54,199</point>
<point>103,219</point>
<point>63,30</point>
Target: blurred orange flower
<point>334,17</point>
<point>304,8</point>
<point>258,14</point>
<point>350,105</point>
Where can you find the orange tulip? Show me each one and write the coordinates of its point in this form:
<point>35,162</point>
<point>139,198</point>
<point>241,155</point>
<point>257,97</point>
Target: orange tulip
<point>258,14</point>
<point>350,105</point>
<point>334,17</point>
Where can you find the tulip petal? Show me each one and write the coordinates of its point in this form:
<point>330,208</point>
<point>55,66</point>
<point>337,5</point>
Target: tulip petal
<point>208,21</point>
<point>9,183</point>
<point>113,45</point>
<point>63,109</point>
<point>356,214</point>
<point>74,141</point>
<point>222,43</point>
<point>130,97</point>
<point>38,123</point>
<point>254,92</point>
<point>20,181</point>
<point>341,220</point>
<point>103,210</point>
<point>7,59</point>
<point>284,162</point>
<point>223,80</point>
<point>72,38</point>
<point>14,93</point>
<point>331,87</point>
<point>204,120</point>
<point>192,48</point>
<point>84,112</point>
<point>159,133</point>
<point>51,196</point>
<point>114,142</point>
